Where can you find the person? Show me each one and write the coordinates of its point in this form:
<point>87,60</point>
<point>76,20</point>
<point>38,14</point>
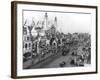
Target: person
<point>51,41</point>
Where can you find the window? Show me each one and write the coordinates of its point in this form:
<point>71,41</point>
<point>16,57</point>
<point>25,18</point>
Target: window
<point>27,38</point>
<point>29,44</point>
<point>25,30</point>
<point>26,45</point>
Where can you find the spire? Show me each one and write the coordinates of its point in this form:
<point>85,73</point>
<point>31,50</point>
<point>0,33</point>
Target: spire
<point>55,22</point>
<point>46,20</point>
<point>55,19</point>
<point>46,15</point>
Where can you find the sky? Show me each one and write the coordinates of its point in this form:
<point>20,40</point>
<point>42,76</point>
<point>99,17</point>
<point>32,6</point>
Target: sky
<point>66,22</point>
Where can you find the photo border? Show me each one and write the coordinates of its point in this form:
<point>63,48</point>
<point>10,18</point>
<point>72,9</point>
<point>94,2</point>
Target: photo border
<point>14,37</point>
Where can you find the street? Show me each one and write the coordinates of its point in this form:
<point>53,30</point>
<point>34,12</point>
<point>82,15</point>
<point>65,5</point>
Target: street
<point>54,62</point>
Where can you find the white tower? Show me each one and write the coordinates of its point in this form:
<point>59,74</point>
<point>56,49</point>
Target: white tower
<point>55,22</point>
<point>46,20</point>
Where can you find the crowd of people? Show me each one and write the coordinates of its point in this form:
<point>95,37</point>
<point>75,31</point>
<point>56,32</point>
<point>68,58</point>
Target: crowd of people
<point>60,44</point>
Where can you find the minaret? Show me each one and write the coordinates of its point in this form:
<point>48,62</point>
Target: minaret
<point>55,22</point>
<point>46,20</point>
